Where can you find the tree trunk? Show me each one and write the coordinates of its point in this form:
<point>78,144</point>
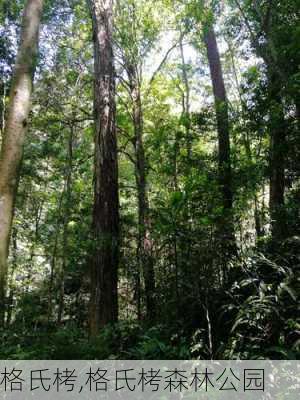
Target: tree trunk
<point>186,117</point>
<point>175,233</point>
<point>186,102</point>
<point>144,250</point>
<point>66,220</point>
<point>54,257</point>
<point>278,150</point>
<point>2,108</point>
<point>227,238</point>
<point>258,219</point>
<point>104,270</point>
<point>11,288</point>
<point>15,130</point>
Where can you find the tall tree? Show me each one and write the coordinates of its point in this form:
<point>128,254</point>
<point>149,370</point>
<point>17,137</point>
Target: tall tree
<point>271,29</point>
<point>145,258</point>
<point>186,106</point>
<point>278,147</point>
<point>104,270</point>
<point>226,227</point>
<point>135,42</point>
<point>15,130</point>
<point>221,106</point>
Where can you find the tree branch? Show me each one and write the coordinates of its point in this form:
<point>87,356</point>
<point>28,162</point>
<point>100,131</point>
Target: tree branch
<point>161,65</point>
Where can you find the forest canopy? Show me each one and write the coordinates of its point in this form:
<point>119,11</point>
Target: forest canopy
<point>149,179</point>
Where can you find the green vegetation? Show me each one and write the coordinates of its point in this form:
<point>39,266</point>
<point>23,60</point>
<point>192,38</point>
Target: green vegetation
<point>190,228</point>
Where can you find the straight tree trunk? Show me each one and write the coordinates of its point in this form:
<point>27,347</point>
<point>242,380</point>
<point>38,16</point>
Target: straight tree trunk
<point>175,234</point>
<point>104,270</point>
<point>186,102</point>
<point>186,117</point>
<point>278,150</point>
<point>258,219</point>
<point>2,108</point>
<point>54,257</point>
<point>144,250</point>
<point>15,130</point>
<point>227,238</point>
<point>66,220</point>
<point>10,295</point>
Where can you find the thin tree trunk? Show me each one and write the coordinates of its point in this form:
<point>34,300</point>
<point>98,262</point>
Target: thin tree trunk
<point>104,270</point>
<point>54,256</point>
<point>3,109</point>
<point>137,295</point>
<point>186,102</point>
<point>278,150</point>
<point>258,219</point>
<point>66,220</point>
<point>15,130</point>
<point>226,227</point>
<point>186,116</point>
<point>144,250</point>
<point>12,277</point>
<point>175,235</point>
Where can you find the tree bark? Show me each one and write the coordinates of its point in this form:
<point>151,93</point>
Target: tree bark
<point>11,279</point>
<point>2,108</point>
<point>144,247</point>
<point>104,270</point>
<point>15,130</point>
<point>227,237</point>
<point>278,149</point>
<point>66,220</point>
<point>186,102</point>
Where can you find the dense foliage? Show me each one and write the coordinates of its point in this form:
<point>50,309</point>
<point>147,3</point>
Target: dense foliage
<point>211,300</point>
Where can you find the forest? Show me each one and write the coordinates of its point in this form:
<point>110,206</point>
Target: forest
<point>149,179</point>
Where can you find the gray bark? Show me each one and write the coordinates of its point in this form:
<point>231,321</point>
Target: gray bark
<point>15,130</point>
